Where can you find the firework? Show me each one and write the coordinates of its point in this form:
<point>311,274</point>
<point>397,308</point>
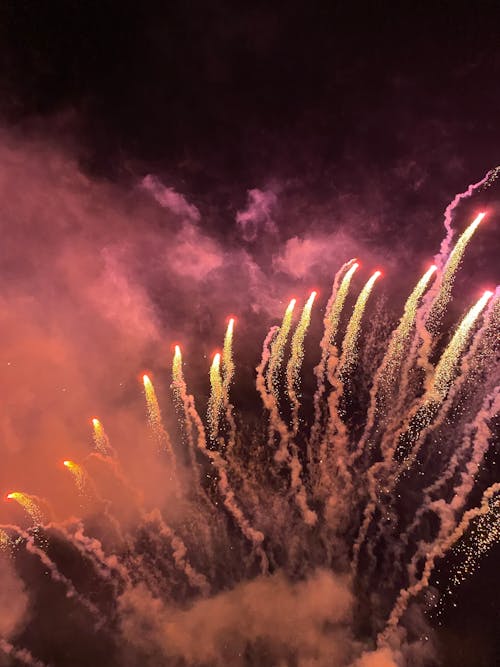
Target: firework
<point>350,493</point>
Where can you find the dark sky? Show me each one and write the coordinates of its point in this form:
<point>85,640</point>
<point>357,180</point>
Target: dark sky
<point>382,110</point>
<point>222,94</point>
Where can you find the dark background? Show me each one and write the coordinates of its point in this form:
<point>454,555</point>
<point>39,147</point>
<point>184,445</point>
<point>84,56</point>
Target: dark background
<point>316,99</point>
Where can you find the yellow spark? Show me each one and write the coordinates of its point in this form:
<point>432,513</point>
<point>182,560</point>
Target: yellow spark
<point>296,358</point>
<point>29,504</point>
<point>450,270</point>
<point>445,369</point>
<point>227,357</point>
<point>332,317</point>
<point>349,344</point>
<point>79,474</point>
<point>101,440</point>
<point>277,351</point>
<point>154,416</point>
<point>216,400</point>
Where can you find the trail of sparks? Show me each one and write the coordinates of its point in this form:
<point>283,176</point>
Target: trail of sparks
<point>101,440</point>
<point>155,420</point>
<point>277,351</point>
<point>30,505</point>
<point>447,364</point>
<point>296,358</point>
<point>216,400</point>
<point>350,342</point>
<point>227,358</point>
<point>79,475</point>
<point>449,272</point>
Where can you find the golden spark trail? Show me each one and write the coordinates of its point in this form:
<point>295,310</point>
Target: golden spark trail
<point>79,475</point>
<point>154,418</point>
<point>216,400</point>
<point>388,371</point>
<point>178,382</point>
<point>277,351</point>
<point>449,272</point>
<point>296,358</point>
<point>227,358</point>
<point>334,309</point>
<point>350,342</point>
<point>29,504</point>
<point>445,370</point>
<point>101,440</point>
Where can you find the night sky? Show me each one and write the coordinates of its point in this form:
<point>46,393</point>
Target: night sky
<point>167,164</point>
